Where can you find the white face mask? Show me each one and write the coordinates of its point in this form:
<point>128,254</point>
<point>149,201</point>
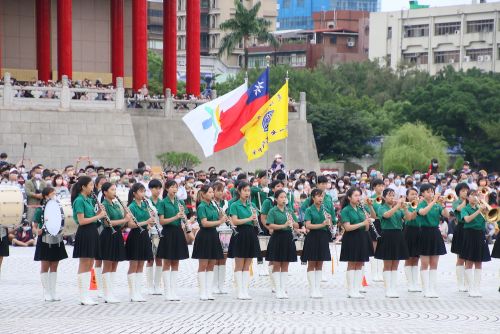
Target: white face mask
<point>341,184</point>
<point>178,181</point>
<point>300,187</point>
<point>285,190</point>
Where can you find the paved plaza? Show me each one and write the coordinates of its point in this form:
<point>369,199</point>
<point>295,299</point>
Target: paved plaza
<point>22,309</point>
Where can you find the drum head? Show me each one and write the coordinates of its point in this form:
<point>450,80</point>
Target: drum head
<point>52,216</point>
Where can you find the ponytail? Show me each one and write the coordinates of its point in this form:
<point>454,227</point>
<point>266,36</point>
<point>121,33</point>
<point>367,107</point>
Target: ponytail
<point>134,189</point>
<point>76,189</point>
<point>203,190</point>
<point>348,195</point>
<point>314,193</point>
<point>276,195</point>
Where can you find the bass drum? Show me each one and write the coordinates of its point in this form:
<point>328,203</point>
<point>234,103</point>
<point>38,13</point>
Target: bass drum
<point>53,218</point>
<point>11,206</point>
<point>69,224</point>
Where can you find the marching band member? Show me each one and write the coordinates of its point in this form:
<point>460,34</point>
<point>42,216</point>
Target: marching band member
<point>153,281</point>
<point>173,246</point>
<point>458,234</point>
<point>138,246</point>
<point>99,181</point>
<point>48,253</point>
<point>317,241</point>
<point>220,264</point>
<point>281,249</point>
<point>111,240</point>
<point>207,247</point>
<point>431,244</point>
<point>392,246</point>
<point>357,247</point>
<point>475,249</point>
<point>268,203</point>
<point>4,245</point>
<point>244,245</point>
<point>87,247</point>
<point>258,195</point>
<point>378,187</point>
<point>411,236</point>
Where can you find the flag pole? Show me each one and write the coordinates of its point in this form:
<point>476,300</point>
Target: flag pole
<point>268,61</point>
<point>286,139</point>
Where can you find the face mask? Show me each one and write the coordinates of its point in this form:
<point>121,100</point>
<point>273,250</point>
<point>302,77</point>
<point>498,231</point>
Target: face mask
<point>453,185</point>
<point>434,165</point>
<point>59,182</point>
<point>417,176</point>
<point>300,187</point>
<point>341,184</point>
<point>93,179</point>
<point>26,228</point>
<point>255,184</point>
<point>178,181</point>
<point>190,184</point>
<point>285,190</point>
<point>373,174</point>
<point>432,181</point>
<point>183,178</point>
<point>234,177</point>
<point>397,182</point>
<point>146,178</point>
<point>391,176</point>
<point>38,176</point>
<point>358,175</point>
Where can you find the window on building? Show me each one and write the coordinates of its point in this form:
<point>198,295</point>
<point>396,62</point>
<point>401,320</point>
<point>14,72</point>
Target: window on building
<point>416,58</point>
<point>419,30</point>
<point>155,28</point>
<point>287,3</point>
<point>213,4</point>
<point>293,60</point>
<point>389,32</point>
<point>300,3</point>
<point>204,40</point>
<point>181,43</point>
<point>204,21</point>
<point>443,57</point>
<point>179,5</point>
<point>155,44</point>
<point>333,40</point>
<point>205,4</point>
<point>479,26</point>
<point>257,61</point>
<point>213,41</point>
<point>447,28</point>
<point>479,54</point>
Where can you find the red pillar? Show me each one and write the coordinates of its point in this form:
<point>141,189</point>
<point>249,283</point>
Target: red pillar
<point>193,47</point>
<point>64,39</point>
<point>139,44</point>
<point>43,40</point>
<point>117,66</point>
<point>170,45</point>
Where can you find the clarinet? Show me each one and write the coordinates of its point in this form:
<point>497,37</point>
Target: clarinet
<point>372,225</point>
<point>255,222</point>
<point>127,210</point>
<point>106,220</point>
<point>153,214</point>
<point>228,220</point>
<point>326,214</point>
<point>183,220</point>
<point>289,219</point>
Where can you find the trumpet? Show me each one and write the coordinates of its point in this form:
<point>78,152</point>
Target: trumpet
<point>484,191</point>
<point>106,220</point>
<point>447,199</point>
<point>127,210</point>
<point>491,215</point>
<point>153,214</point>
<point>413,204</point>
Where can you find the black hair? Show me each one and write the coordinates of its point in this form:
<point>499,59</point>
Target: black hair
<point>322,179</point>
<point>411,189</point>
<point>134,189</point>
<point>54,180</point>
<point>275,183</point>
<point>315,193</point>
<point>97,180</point>
<point>218,186</point>
<point>45,193</point>
<point>141,165</point>
<point>168,185</point>
<point>203,190</point>
<point>242,185</point>
<point>241,176</point>
<point>386,192</point>
<point>276,195</point>
<point>426,186</point>
<point>105,187</point>
<point>280,176</point>
<point>349,194</point>
<point>460,186</point>
<point>154,183</point>
<point>76,189</point>
<point>262,174</point>
<point>377,182</point>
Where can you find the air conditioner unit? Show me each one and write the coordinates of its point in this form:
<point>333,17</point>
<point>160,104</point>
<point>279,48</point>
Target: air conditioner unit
<point>330,24</point>
<point>351,44</point>
<point>467,59</point>
<point>451,60</point>
<point>480,58</point>
<point>457,32</point>
<point>487,58</point>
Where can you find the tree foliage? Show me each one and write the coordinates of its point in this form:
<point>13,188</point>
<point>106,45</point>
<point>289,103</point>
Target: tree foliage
<point>411,147</point>
<point>178,160</point>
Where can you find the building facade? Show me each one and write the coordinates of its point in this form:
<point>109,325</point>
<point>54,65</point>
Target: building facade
<point>464,37</point>
<point>213,13</point>
<point>298,14</point>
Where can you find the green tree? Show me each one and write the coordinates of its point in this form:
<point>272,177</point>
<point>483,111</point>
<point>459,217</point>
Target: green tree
<point>412,146</point>
<point>244,25</point>
<point>155,73</point>
<point>178,160</point>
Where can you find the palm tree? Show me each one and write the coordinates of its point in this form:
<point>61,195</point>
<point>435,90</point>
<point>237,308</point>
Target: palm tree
<point>244,25</point>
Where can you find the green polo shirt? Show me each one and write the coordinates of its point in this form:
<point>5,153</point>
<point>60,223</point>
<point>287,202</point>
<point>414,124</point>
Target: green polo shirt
<point>352,215</point>
<point>267,205</point>
<point>241,211</point>
<point>85,205</point>
<point>413,222</point>
<point>208,211</point>
<point>157,202</point>
<point>394,222</point>
<point>278,217</point>
<point>315,216</point>
<point>478,223</point>
<point>255,192</point>
<point>113,210</point>
<point>140,212</point>
<point>37,217</point>
<point>458,214</point>
<point>431,219</point>
<point>327,203</point>
<point>169,209</point>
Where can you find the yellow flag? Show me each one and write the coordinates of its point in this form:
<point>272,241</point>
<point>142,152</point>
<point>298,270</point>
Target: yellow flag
<point>269,124</point>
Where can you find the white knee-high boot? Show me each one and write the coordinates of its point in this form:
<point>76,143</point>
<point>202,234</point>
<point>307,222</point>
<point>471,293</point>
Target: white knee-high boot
<point>157,280</point>
<point>222,279</point>
<point>202,280</point>
<point>387,284</point>
<point>409,278</point>
<point>461,278</point>
<point>52,285</point>
<point>318,275</point>
<point>83,286</point>
<point>173,285</point>
<point>311,279</point>
<point>477,283</point>
<point>414,271</point>
<point>166,285</point>
<point>98,279</point>
<point>283,283</point>
<point>138,287</point>
<point>433,283</point>
<point>44,277</point>
<point>209,286</point>
<point>238,276</point>
<point>394,284</point>
<point>358,277</point>
<point>246,283</point>
<point>215,282</point>
<point>277,283</point>
<point>107,284</point>
<point>149,280</point>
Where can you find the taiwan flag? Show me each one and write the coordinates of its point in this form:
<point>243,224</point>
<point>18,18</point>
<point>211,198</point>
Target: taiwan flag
<point>242,112</point>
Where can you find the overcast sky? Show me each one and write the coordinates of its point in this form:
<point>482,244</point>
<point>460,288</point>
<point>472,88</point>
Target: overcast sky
<point>390,5</point>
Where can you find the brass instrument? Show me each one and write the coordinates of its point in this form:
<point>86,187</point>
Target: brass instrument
<point>484,191</point>
<point>106,220</point>
<point>153,214</point>
<point>378,200</point>
<point>127,210</point>
<point>413,204</point>
<point>446,199</point>
<point>491,215</point>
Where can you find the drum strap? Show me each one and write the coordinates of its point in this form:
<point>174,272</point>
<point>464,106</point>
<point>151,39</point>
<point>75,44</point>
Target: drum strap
<point>52,240</point>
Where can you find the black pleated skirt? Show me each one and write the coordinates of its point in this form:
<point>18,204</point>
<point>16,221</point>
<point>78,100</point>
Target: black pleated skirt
<point>46,252</point>
<point>392,246</point>
<point>281,247</point>
<point>173,245</point>
<point>112,245</point>
<point>87,242</point>
<point>475,248</point>
<point>4,246</point>
<point>495,252</point>
<point>356,246</point>
<point>431,242</point>
<point>138,246</point>
<point>316,246</point>
<point>244,244</point>
<point>207,245</point>
<point>457,242</point>
<point>412,235</point>
<point>378,226</point>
